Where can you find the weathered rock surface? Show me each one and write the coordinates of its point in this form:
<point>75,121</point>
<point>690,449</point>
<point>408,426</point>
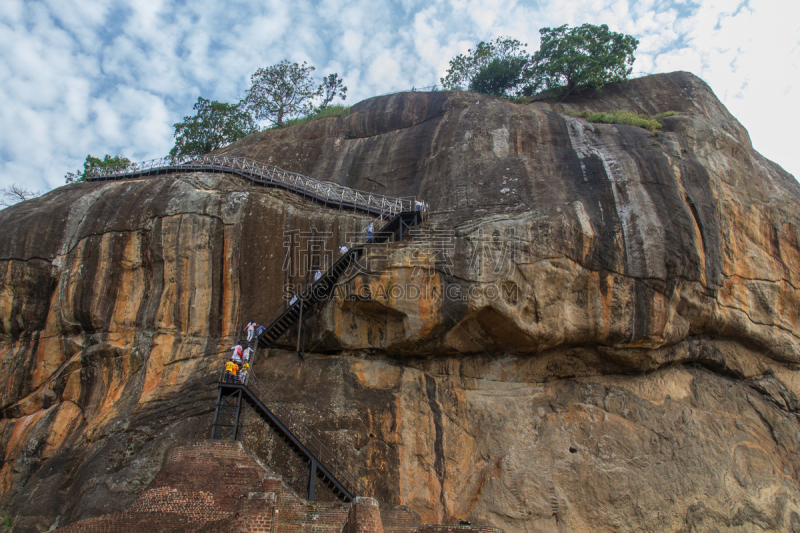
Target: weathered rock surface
<point>605,336</point>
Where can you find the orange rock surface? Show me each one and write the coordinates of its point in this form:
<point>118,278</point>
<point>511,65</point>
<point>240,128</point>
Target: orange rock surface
<point>603,337</point>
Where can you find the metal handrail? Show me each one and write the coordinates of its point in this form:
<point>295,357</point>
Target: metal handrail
<point>277,311</point>
<point>263,173</point>
<point>312,290</point>
<point>304,434</point>
<point>308,438</point>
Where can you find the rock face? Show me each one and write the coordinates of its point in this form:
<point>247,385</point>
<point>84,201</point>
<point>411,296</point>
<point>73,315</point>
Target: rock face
<point>595,330</point>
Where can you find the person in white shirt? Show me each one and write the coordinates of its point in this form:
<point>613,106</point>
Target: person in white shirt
<point>236,356</point>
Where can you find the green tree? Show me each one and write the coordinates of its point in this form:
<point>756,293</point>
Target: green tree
<point>282,91</point>
<point>332,86</point>
<point>93,165</point>
<point>215,124</point>
<point>465,67</point>
<point>587,55</point>
<point>502,77</point>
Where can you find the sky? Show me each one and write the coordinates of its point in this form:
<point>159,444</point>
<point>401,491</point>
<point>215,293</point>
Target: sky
<point>102,77</point>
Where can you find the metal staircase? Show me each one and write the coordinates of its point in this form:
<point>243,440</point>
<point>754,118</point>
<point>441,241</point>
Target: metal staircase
<point>323,464</point>
<point>322,289</point>
<point>403,215</point>
<point>232,397</point>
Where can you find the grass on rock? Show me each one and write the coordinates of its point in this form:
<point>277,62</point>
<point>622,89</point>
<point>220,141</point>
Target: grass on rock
<point>647,122</point>
<point>330,111</point>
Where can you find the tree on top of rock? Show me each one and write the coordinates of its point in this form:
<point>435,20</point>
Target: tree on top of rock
<point>465,67</point>
<point>503,77</point>
<point>215,125</point>
<point>332,86</point>
<point>14,194</point>
<point>587,55</point>
<point>282,91</point>
<point>568,58</point>
<point>93,166</point>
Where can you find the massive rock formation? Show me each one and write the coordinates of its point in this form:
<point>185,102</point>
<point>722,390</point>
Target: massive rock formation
<point>596,329</point>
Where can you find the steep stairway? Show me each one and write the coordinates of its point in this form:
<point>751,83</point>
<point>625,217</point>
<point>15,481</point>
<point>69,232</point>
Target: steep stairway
<point>232,397</point>
<point>322,289</point>
<point>402,216</point>
<point>323,464</point>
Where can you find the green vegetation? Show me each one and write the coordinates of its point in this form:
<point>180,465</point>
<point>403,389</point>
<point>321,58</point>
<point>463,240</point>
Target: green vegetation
<point>567,59</point>
<point>501,77</point>
<point>215,124</point>
<point>332,86</point>
<point>286,90</point>
<point>284,95</point>
<point>7,525</point>
<point>480,64</point>
<point>664,114</point>
<point>586,56</point>
<point>327,112</point>
<point>94,164</point>
<point>624,117</point>
<point>282,91</point>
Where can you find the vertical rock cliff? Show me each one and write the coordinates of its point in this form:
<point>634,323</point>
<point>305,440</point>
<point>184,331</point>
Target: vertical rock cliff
<point>596,329</point>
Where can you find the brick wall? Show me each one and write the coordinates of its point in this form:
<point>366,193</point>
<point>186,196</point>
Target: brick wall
<point>364,517</point>
<point>205,482</point>
<point>217,487</point>
<point>399,519</point>
<point>129,522</point>
<point>293,513</point>
<point>214,486</point>
<point>438,528</point>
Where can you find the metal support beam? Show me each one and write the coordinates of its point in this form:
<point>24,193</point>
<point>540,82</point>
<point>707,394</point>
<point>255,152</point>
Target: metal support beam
<point>216,415</point>
<point>312,479</point>
<point>239,406</point>
<point>303,347</point>
<point>228,413</point>
<point>300,328</point>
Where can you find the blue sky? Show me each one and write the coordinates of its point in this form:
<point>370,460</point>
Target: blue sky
<point>112,76</point>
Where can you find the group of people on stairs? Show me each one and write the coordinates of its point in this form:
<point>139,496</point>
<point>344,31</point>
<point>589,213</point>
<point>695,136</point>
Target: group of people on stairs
<point>238,366</point>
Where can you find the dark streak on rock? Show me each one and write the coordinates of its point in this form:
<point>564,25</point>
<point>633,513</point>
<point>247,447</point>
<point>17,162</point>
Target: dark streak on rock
<point>438,444</point>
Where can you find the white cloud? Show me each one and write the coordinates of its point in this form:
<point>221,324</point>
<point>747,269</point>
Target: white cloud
<point>98,76</point>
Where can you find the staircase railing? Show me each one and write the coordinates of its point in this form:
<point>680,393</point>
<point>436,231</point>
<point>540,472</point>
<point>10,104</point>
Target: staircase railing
<point>307,437</point>
<point>322,287</point>
<point>324,191</point>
